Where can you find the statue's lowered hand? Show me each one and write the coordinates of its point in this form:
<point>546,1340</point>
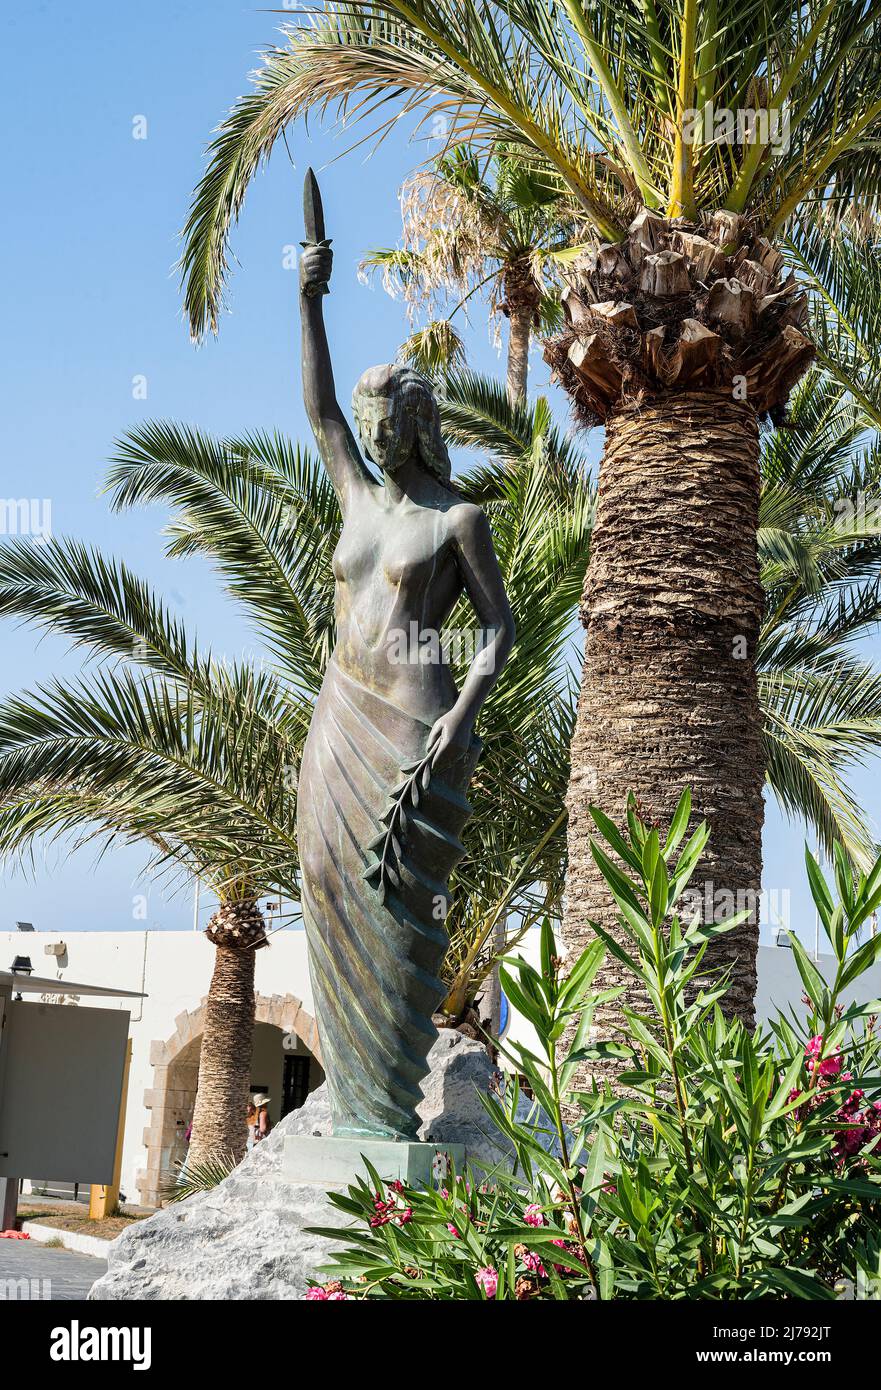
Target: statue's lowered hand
<point>316,264</point>
<point>448,737</point>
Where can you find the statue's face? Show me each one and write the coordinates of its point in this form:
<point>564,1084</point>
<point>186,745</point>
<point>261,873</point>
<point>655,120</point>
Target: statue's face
<point>387,431</point>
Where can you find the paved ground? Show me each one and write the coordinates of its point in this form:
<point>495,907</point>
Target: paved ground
<point>52,1274</point>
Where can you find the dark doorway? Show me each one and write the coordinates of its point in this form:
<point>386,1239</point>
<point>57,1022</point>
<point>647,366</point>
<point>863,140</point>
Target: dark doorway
<point>295,1083</point>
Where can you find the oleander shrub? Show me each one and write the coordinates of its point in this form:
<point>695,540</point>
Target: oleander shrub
<point>720,1165</point>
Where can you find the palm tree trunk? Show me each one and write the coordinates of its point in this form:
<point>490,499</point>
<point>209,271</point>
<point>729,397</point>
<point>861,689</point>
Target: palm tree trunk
<point>519,334</point>
<point>225,1061</point>
<point>672,606</point>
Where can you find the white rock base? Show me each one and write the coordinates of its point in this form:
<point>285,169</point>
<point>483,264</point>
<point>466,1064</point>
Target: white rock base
<point>245,1239</point>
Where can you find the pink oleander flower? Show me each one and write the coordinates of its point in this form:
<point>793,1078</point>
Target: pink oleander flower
<point>488,1279</point>
<point>829,1066</point>
<point>561,1245</point>
<point>405,1216</point>
<point>452,1230</point>
<point>383,1214</point>
<point>331,1294</point>
<point>534,1265</point>
<point>534,1216</point>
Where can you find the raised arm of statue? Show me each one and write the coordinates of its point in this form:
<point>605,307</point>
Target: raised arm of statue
<point>335,440</point>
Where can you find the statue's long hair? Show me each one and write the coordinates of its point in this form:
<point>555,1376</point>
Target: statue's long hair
<point>416,397</point>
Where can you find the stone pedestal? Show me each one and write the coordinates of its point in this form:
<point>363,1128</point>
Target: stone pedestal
<point>332,1161</point>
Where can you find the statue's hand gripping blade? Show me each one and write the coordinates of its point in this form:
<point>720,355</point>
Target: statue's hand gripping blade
<point>313,219</point>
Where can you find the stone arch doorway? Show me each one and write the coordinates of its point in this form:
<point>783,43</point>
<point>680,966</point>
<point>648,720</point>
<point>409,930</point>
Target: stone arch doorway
<point>285,1062</point>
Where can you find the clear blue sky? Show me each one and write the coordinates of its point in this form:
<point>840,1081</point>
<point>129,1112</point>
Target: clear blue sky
<point>92,301</point>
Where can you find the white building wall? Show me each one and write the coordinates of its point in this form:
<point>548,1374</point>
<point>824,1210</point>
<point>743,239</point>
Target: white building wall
<point>173,969</point>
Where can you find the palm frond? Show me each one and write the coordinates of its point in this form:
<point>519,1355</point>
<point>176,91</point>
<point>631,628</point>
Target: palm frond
<point>263,511</point>
<point>817,724</point>
<point>477,414</point>
<point>192,1178</point>
<point>210,780</point>
<point>606,105</point>
<point>435,348</point>
<point>841,265</point>
<point>71,588</point>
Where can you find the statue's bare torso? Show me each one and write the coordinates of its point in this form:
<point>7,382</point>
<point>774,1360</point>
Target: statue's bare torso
<point>397,581</point>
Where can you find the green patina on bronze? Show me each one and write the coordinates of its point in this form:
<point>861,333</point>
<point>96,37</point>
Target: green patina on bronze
<point>391,747</point>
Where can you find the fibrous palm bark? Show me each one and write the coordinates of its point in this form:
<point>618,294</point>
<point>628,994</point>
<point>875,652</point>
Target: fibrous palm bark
<point>679,339</point>
<point>669,694</point>
<point>521,305</point>
<point>219,1131</point>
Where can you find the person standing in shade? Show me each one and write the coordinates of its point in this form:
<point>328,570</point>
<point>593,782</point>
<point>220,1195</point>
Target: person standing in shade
<point>261,1122</point>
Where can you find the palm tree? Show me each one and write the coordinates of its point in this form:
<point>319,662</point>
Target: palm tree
<point>163,747</point>
<point>821,703</point>
<point>499,229</point>
<point>690,139</point>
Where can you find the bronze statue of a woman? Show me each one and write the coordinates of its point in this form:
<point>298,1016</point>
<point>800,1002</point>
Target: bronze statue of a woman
<point>391,747</point>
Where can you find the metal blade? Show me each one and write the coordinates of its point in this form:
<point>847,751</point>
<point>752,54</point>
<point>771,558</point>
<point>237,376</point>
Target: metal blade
<point>313,212</point>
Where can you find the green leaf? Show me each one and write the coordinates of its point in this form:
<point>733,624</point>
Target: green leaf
<point>650,852</point>
<point>660,891</point>
<point>613,836</point>
<point>688,859</point>
<point>843,878</point>
<point>799,1282</point>
<point>548,951</point>
<point>622,887</point>
<point>860,960</point>
<point>679,823</point>
<point>812,980</point>
<point>582,974</point>
<point>819,889</point>
<point>530,1008</point>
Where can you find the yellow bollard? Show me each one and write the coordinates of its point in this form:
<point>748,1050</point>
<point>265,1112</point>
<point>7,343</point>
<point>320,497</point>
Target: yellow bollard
<point>104,1197</point>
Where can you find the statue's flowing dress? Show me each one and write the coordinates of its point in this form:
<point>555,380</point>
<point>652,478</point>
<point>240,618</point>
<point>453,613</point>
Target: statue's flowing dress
<point>378,835</point>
